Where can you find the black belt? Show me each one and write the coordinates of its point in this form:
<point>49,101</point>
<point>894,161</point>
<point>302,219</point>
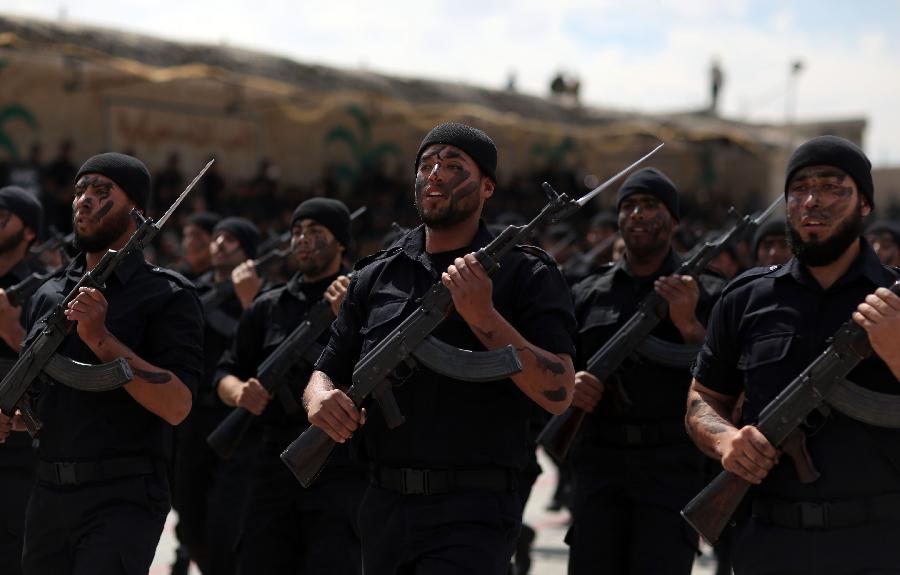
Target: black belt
<point>76,473</point>
<point>827,514</point>
<point>437,481</point>
<point>648,434</point>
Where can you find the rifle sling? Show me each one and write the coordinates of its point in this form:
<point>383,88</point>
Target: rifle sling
<point>478,366</point>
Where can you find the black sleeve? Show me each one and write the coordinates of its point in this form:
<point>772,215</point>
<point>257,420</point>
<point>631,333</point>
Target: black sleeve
<point>175,338</point>
<point>544,311</point>
<point>342,352</point>
<point>716,363</point>
<point>246,352</point>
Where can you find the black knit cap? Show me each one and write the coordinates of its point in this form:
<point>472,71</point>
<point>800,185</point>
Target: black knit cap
<point>776,226</point>
<point>204,220</point>
<point>331,213</point>
<point>244,231</point>
<point>25,205</point>
<point>472,141</point>
<point>127,171</point>
<point>882,226</point>
<point>837,152</point>
<point>651,181</point>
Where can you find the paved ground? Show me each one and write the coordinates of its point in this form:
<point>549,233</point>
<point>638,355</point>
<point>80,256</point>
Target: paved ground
<point>549,554</point>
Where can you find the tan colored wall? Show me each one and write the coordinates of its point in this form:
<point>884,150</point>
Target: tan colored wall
<point>102,108</point>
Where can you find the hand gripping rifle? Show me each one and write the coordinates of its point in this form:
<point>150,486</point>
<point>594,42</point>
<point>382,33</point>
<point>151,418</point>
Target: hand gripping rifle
<point>306,456</point>
<point>219,294</point>
<point>41,353</point>
<point>557,436</point>
<point>711,510</point>
<point>298,349</point>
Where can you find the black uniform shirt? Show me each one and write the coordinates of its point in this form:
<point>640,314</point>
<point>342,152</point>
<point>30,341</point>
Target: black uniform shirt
<point>153,311</point>
<point>603,303</point>
<point>20,442</point>
<point>218,333</point>
<point>769,325</point>
<point>18,273</point>
<point>449,423</point>
<point>272,317</point>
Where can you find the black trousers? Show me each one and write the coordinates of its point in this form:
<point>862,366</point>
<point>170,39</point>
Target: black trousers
<point>17,462</point>
<point>625,511</point>
<point>466,532</point>
<point>759,548</point>
<point>109,527</point>
<point>209,493</point>
<point>288,530</point>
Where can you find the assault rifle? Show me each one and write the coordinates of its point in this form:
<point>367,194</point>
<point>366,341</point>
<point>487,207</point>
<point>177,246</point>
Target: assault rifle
<point>299,348</point>
<point>710,511</point>
<point>306,456</point>
<point>19,293</point>
<point>35,358</point>
<point>557,436</point>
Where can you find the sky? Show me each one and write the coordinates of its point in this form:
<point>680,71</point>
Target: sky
<point>640,55</point>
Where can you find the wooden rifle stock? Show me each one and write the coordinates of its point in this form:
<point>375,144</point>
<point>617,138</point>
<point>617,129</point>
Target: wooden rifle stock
<point>712,509</point>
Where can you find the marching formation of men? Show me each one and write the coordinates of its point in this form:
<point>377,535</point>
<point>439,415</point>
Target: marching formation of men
<point>195,393</point>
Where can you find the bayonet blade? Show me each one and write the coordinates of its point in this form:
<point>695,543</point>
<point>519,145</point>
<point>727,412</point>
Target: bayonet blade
<point>162,221</point>
<point>593,193</point>
<point>358,212</point>
<point>765,215</point>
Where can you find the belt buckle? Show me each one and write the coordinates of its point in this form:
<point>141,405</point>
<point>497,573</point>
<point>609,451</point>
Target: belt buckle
<point>65,473</point>
<point>633,435</point>
<point>415,481</point>
<point>813,515</point>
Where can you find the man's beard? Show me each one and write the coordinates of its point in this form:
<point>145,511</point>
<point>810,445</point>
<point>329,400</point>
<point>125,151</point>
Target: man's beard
<point>318,260</point>
<point>816,253</point>
<point>112,228</point>
<point>12,242</point>
<point>457,210</point>
<point>659,243</point>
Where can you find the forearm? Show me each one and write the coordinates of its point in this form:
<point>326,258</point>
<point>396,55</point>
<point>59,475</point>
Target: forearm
<point>692,331</point>
<point>707,420</point>
<point>158,390</point>
<point>319,382</point>
<point>228,389</point>
<point>13,335</point>
<point>547,378</point>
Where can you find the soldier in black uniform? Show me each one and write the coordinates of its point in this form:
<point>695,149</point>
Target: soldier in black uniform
<point>208,493</point>
<point>196,236</point>
<point>884,236</point>
<point>634,465</point>
<point>20,224</point>
<point>285,528</point>
<point>769,325</point>
<point>102,494</point>
<point>770,243</point>
<point>442,497</point>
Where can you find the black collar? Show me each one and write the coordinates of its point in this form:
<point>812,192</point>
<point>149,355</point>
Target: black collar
<point>297,287</point>
<point>123,271</point>
<point>413,243</point>
<point>865,265</point>
<point>666,268</point>
<point>21,270</point>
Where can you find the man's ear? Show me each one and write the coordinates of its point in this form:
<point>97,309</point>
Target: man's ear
<point>28,235</point>
<point>489,187</point>
<point>866,206</point>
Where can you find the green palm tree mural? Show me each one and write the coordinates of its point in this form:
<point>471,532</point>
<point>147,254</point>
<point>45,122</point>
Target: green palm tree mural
<point>365,153</point>
<point>553,155</point>
<point>9,113</point>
